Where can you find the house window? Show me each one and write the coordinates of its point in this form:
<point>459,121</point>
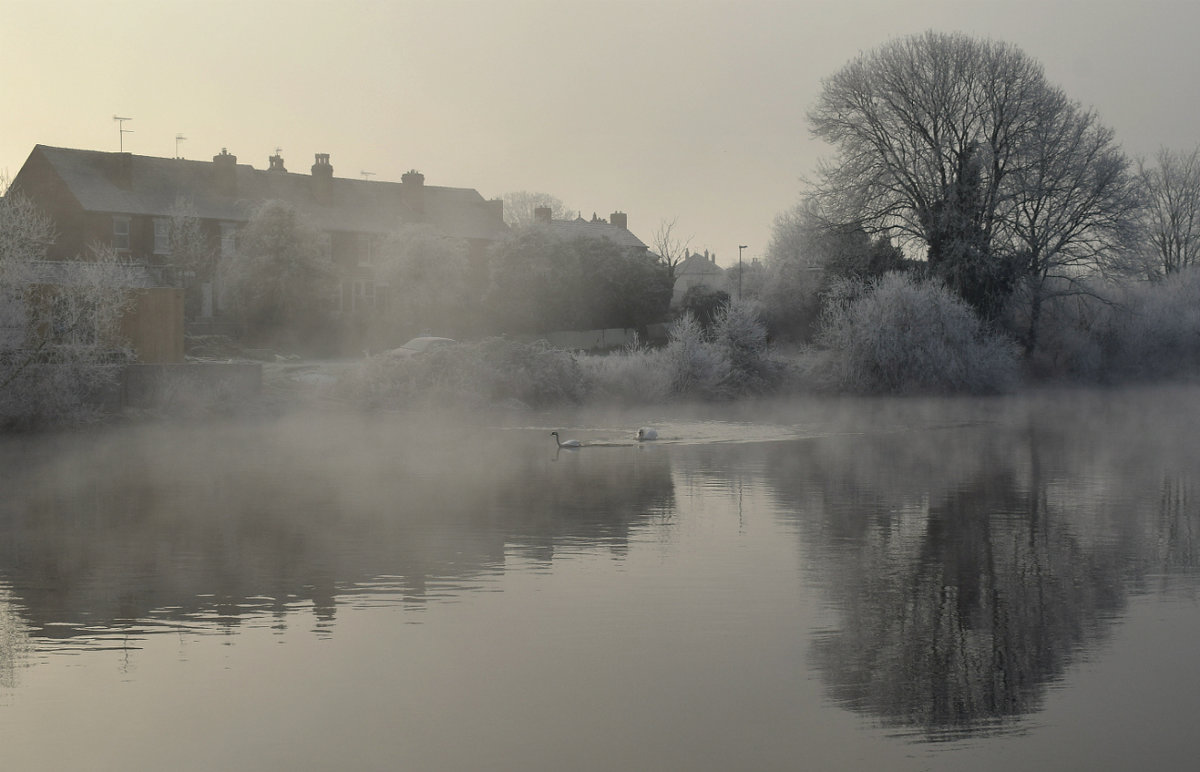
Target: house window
<point>121,233</point>
<point>368,250</point>
<point>162,236</point>
<point>228,243</point>
<point>364,294</point>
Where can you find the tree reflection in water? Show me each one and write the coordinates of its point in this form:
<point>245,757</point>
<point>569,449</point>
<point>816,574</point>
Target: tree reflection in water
<point>969,567</point>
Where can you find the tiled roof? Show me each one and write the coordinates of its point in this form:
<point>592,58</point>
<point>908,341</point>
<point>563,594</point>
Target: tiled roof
<point>364,206</point>
<point>698,265</point>
<point>581,228</point>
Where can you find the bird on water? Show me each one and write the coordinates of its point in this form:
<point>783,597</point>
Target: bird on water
<point>647,433</point>
<point>568,443</point>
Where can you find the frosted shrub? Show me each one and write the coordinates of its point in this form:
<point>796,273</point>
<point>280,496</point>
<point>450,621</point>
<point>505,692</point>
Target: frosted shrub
<point>64,389</point>
<point>739,333</point>
<point>633,375</point>
<point>469,374</point>
<point>696,367</point>
<point>1157,331</point>
<point>904,336</point>
<point>1072,332</point>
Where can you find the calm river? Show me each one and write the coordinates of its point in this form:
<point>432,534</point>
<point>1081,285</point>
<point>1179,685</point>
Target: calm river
<point>816,585</point>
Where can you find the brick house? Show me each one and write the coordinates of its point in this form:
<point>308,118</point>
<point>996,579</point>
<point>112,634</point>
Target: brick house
<point>126,201</point>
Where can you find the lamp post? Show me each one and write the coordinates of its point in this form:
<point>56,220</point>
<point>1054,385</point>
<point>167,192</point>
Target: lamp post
<point>740,248</point>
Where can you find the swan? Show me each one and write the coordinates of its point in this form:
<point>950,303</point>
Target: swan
<point>647,433</point>
<point>568,443</point>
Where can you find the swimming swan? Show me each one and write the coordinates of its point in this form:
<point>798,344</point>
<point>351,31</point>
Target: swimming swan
<point>568,443</point>
<point>647,433</point>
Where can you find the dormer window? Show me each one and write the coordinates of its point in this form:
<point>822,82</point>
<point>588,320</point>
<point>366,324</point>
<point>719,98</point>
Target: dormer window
<point>121,233</point>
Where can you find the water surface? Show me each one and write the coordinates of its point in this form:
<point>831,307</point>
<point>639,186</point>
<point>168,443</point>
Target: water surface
<point>837,584</point>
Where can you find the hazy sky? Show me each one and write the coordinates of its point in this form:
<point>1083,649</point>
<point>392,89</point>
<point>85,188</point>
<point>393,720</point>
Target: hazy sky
<point>688,109</point>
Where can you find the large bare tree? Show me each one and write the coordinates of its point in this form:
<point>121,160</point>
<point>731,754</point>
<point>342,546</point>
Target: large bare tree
<point>960,148</point>
<point>1171,192</point>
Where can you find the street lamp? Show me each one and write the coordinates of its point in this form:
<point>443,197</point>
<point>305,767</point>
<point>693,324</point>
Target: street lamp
<point>740,248</point>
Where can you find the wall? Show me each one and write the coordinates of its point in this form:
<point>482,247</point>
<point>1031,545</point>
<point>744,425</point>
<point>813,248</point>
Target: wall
<point>154,325</point>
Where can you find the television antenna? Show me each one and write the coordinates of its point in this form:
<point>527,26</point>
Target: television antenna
<point>121,128</point>
<point>178,138</point>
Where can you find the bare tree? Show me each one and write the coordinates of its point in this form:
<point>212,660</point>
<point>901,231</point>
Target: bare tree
<point>961,148</point>
<point>519,207</point>
<point>907,119</point>
<point>1172,216</point>
<point>1073,213</point>
<point>671,249</point>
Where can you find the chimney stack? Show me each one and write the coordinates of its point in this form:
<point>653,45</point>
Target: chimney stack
<point>412,190</point>
<point>276,163</point>
<point>322,176</point>
<point>541,214</point>
<point>619,219</point>
<point>225,172</point>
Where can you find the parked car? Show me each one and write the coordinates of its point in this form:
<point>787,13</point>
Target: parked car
<point>420,346</point>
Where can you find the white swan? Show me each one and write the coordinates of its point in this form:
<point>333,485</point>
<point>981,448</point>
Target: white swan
<point>647,433</point>
<point>568,443</point>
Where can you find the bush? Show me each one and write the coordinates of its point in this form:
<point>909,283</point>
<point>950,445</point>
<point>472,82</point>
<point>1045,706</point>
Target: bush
<point>899,335</point>
<point>1155,333</point>
<point>694,365</point>
<point>740,334</point>
<point>492,371</point>
<point>633,375</point>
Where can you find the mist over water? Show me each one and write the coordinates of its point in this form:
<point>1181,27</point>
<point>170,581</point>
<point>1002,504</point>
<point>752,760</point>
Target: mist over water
<point>813,583</point>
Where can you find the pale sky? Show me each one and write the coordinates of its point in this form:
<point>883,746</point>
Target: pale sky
<point>687,109</point>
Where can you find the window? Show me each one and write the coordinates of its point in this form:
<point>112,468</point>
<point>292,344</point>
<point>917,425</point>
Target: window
<point>162,236</point>
<point>364,294</point>
<point>121,233</point>
<point>228,243</point>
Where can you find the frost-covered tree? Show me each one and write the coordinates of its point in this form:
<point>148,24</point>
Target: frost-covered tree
<point>697,367</point>
<point>192,251</point>
<point>60,343</point>
<point>903,335</point>
<point>1171,190</point>
<point>519,206</point>
<point>281,279</point>
<point>533,287</point>
<point>540,283</point>
<point>620,287</point>
<point>740,334</point>
<point>422,279</point>
<point>806,253</point>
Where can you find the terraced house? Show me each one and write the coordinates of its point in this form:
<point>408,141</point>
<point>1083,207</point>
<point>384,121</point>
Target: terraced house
<point>127,201</point>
